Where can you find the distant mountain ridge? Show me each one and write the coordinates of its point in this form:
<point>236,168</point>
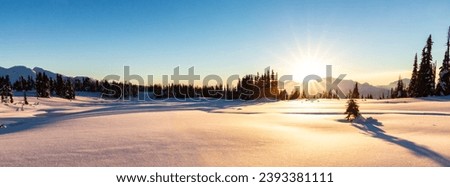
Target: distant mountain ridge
<point>394,84</point>
<point>345,86</point>
<point>16,72</point>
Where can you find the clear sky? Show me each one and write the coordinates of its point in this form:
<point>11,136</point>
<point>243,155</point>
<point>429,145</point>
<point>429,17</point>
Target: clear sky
<point>371,41</point>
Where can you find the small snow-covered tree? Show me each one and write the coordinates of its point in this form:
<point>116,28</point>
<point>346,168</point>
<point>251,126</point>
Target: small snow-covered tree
<point>352,110</point>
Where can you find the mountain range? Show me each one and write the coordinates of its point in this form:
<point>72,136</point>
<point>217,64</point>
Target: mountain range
<point>16,72</point>
<point>345,86</point>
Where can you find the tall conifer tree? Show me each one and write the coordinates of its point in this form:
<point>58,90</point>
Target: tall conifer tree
<point>443,86</point>
<point>426,84</point>
<point>412,88</point>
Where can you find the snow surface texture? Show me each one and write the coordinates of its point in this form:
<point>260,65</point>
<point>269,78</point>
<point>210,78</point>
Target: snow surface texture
<point>90,131</point>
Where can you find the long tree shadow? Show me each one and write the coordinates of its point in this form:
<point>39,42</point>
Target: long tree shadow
<point>372,127</point>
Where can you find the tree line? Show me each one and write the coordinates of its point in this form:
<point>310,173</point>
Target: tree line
<point>46,86</point>
<point>247,88</point>
<point>423,78</point>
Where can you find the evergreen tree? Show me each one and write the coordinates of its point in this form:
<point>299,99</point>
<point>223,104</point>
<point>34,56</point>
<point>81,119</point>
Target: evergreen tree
<point>10,94</point>
<point>352,110</point>
<point>2,94</point>
<point>6,90</point>
<point>46,86</point>
<point>295,94</point>
<point>52,85</point>
<point>304,96</point>
<point>355,93</point>
<point>400,91</point>
<point>283,95</point>
<point>31,84</point>
<point>87,85</point>
<point>392,94</point>
<point>24,86</point>
<point>42,85</point>
<point>426,82</point>
<point>69,92</point>
<point>329,95</point>
<point>97,86</point>
<point>25,100</point>
<point>38,84</point>
<point>59,86</point>
<point>412,88</point>
<point>78,85</point>
<point>274,92</point>
<point>443,86</point>
<point>17,86</point>
<point>7,81</point>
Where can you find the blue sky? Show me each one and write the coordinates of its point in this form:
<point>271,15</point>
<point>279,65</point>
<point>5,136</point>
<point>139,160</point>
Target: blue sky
<point>370,41</point>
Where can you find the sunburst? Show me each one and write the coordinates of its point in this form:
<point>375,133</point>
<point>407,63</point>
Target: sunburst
<point>306,57</point>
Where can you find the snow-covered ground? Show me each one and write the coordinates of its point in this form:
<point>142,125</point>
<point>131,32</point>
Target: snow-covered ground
<point>90,131</point>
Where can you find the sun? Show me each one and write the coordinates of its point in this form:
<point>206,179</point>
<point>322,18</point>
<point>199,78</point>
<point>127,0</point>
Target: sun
<point>306,56</point>
<point>308,65</point>
<point>304,62</point>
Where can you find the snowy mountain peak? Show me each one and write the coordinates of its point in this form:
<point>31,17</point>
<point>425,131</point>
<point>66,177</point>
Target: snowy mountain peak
<point>48,73</point>
<point>15,72</point>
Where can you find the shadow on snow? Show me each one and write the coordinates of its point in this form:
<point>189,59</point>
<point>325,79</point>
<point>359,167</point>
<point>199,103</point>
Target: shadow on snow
<point>372,127</point>
<point>117,108</point>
